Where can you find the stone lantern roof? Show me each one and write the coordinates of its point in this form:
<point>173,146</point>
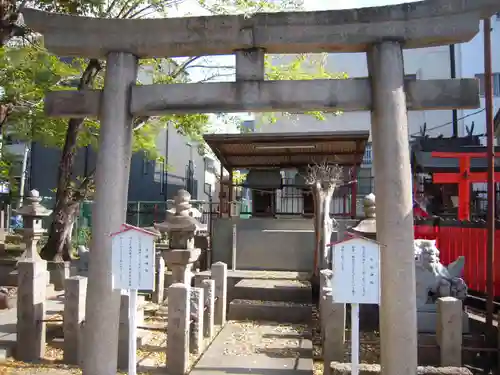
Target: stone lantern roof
<point>32,206</point>
<point>368,226</point>
<point>182,217</point>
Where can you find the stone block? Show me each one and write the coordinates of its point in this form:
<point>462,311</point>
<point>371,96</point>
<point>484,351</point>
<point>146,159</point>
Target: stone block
<point>158,293</point>
<point>334,317</point>
<point>178,329</point>
<point>123,334</point>
<point>449,330</point>
<point>74,318</point>
<point>196,328</point>
<point>337,368</point>
<point>219,275</point>
<point>32,287</point>
<point>208,286</point>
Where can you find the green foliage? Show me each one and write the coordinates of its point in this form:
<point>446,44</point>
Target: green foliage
<point>301,67</point>
<point>28,71</point>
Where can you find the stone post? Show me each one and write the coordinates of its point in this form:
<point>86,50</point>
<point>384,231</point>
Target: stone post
<point>181,226</point>
<point>178,329</point>
<point>158,294</point>
<point>31,296</point>
<point>332,320</point>
<point>449,331</point>
<point>197,313</point>
<point>124,328</point>
<point>209,307</point>
<point>324,281</point>
<point>75,291</point>
<point>393,184</point>
<point>219,275</point>
<point>108,213</point>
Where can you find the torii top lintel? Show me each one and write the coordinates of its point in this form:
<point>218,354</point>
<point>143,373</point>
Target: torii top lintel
<point>420,24</point>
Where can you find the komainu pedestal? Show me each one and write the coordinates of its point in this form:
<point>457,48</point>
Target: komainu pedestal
<point>434,280</point>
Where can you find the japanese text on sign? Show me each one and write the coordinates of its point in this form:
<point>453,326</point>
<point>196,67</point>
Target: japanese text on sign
<point>356,276</point>
<point>133,260</point>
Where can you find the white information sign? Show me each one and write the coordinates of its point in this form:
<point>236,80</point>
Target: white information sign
<point>133,269</point>
<point>356,280</point>
<point>133,256</point>
<point>356,271</point>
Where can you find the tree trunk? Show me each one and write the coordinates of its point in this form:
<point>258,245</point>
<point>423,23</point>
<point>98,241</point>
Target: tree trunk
<point>58,247</point>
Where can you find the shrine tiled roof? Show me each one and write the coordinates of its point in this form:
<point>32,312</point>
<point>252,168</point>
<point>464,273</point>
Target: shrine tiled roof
<point>288,150</point>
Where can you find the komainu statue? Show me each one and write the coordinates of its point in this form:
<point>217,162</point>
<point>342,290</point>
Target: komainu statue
<point>435,280</point>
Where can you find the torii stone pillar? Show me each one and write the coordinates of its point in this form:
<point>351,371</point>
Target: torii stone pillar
<point>391,158</point>
<point>108,214</point>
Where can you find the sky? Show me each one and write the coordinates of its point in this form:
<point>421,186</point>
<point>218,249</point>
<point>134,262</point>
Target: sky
<point>191,8</point>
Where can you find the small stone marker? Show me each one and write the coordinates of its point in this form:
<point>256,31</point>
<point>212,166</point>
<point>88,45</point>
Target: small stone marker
<point>332,321</point>
<point>32,289</point>
<point>196,329</point>
<point>355,280</point>
<point>75,291</point>
<point>219,275</point>
<point>133,261</point>
<point>449,330</point>
<point>208,317</point>
<point>159,292</point>
<point>178,329</point>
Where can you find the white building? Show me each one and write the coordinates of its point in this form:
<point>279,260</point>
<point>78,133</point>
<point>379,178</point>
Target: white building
<point>425,63</point>
<point>470,63</point>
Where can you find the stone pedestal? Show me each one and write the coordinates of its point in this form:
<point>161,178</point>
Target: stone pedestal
<point>180,261</point>
<point>58,273</point>
<point>74,318</point>
<point>32,288</point>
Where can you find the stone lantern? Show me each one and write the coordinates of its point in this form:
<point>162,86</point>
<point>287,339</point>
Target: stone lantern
<point>368,226</point>
<point>181,229</point>
<point>32,213</point>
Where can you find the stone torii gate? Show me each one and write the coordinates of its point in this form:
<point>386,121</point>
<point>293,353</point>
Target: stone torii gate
<point>381,32</point>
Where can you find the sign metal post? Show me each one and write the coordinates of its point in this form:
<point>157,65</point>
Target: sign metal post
<point>356,280</point>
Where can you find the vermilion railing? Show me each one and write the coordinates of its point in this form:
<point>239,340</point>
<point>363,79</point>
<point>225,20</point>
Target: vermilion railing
<point>467,238</point>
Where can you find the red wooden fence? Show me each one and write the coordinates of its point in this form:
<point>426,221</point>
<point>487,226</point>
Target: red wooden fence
<point>456,238</point>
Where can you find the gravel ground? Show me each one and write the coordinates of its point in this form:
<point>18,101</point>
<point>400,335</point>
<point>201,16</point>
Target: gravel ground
<point>151,357</point>
<point>369,347</point>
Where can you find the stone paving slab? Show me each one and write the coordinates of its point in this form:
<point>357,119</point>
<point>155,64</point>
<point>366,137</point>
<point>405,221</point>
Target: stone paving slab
<point>258,349</point>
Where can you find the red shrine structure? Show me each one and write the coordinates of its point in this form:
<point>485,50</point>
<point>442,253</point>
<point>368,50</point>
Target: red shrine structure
<point>463,178</point>
<point>452,175</point>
